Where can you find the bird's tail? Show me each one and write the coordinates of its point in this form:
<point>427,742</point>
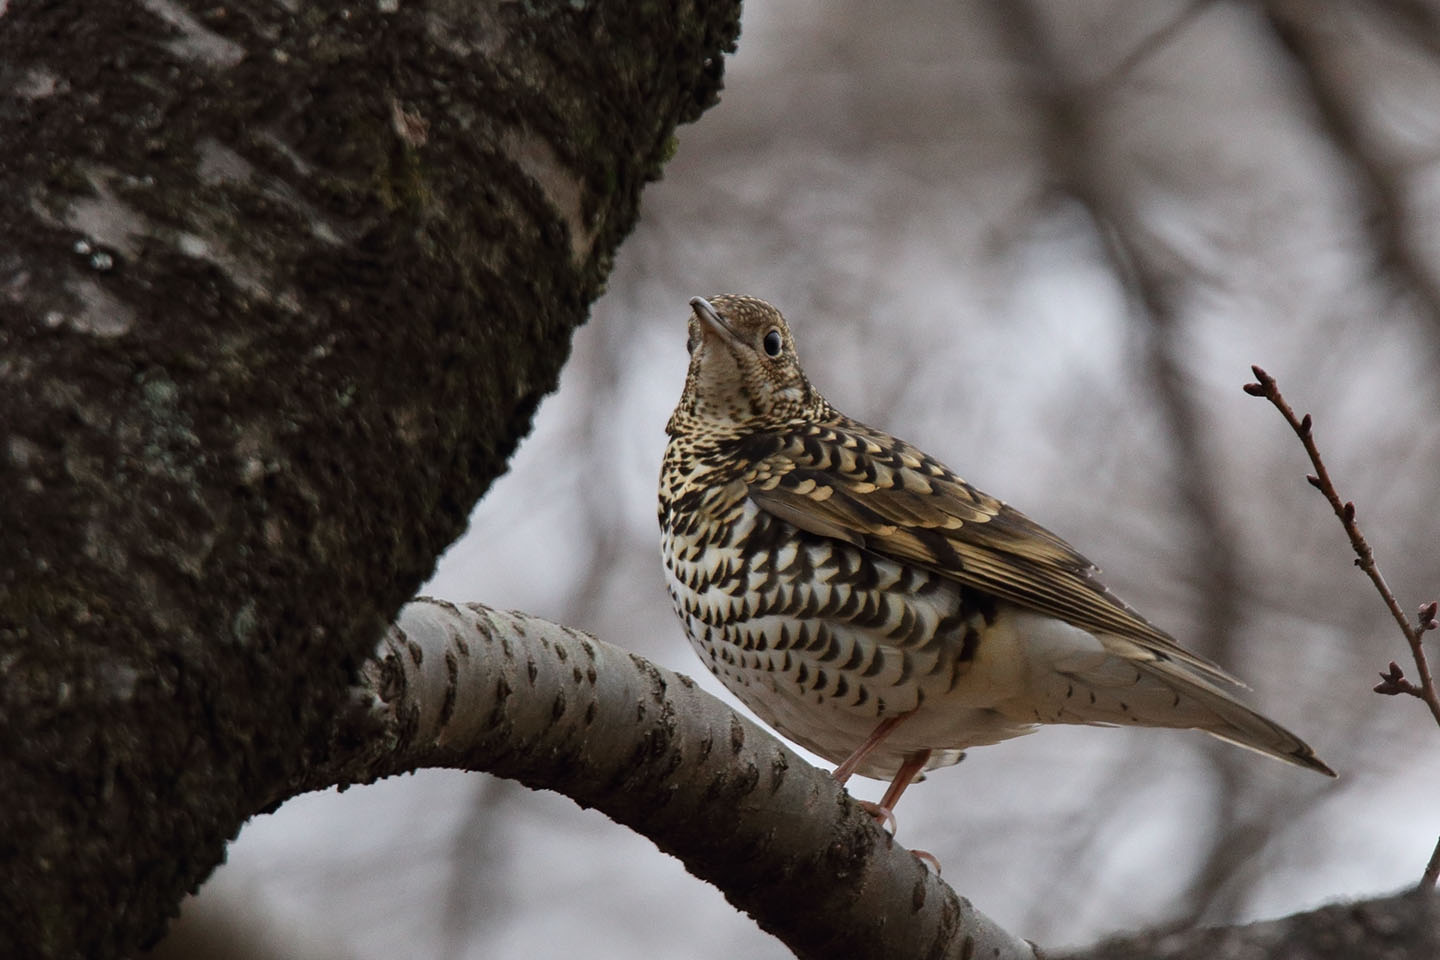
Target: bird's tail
<point>1161,693</point>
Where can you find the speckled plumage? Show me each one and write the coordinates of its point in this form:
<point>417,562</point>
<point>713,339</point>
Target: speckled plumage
<point>835,578</point>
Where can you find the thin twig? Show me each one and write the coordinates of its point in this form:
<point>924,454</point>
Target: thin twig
<point>1393,681</point>
<point>1432,871</point>
<point>1147,47</point>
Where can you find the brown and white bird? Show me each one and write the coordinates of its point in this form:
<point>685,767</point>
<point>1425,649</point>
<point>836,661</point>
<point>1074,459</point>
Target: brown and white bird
<point>875,608</point>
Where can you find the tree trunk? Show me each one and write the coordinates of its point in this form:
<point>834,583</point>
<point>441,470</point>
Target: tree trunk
<point>282,285</point>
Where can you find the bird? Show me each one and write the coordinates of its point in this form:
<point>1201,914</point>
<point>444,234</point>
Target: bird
<point>868,604</point>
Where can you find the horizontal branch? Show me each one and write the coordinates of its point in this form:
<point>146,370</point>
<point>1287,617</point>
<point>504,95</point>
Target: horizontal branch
<point>524,698</point>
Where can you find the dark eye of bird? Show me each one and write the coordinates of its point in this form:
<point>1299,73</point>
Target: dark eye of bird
<point>772,343</point>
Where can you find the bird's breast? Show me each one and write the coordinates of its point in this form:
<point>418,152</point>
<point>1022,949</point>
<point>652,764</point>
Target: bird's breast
<point>822,639</point>
<point>773,610</point>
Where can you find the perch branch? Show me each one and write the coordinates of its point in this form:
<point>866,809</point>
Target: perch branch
<point>473,688</point>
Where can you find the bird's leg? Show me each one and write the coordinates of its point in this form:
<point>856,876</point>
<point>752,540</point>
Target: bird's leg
<point>909,770</point>
<point>884,811</point>
<point>852,762</point>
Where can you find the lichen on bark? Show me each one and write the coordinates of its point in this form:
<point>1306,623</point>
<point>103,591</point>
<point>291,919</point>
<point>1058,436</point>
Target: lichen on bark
<point>278,303</point>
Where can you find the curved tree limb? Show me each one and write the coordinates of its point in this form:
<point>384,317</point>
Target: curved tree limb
<point>473,688</point>
<point>521,697</point>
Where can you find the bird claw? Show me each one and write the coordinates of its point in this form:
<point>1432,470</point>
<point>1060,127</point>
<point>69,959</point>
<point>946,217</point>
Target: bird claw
<point>882,815</point>
<point>929,859</point>
<point>885,817</point>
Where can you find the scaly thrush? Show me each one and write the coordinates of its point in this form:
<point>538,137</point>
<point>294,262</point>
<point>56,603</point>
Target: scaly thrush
<point>875,608</point>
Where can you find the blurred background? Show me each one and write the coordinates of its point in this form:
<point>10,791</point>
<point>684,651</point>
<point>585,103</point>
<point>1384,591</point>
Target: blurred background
<point>1044,241</point>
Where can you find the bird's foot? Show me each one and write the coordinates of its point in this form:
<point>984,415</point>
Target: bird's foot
<point>882,815</point>
<point>885,817</point>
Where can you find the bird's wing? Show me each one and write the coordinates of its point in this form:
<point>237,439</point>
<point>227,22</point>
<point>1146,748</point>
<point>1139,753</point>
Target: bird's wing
<point>849,482</point>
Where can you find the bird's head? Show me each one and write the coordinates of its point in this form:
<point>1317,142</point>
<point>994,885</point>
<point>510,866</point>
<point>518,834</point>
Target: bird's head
<point>743,369</point>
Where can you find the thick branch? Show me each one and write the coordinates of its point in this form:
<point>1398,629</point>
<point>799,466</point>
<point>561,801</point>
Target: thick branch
<point>521,697</point>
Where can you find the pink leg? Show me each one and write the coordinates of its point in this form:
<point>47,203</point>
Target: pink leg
<point>852,762</point>
<point>909,770</point>
<point>884,811</point>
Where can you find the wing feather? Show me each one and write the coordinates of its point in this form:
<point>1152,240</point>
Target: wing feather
<point>849,482</point>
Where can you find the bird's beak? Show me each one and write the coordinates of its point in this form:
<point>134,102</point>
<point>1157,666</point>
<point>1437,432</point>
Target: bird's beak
<point>710,318</point>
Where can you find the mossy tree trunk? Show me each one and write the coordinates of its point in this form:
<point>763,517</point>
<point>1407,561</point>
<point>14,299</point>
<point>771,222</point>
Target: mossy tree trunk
<point>280,288</point>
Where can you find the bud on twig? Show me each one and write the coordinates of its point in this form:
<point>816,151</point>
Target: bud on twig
<point>1265,385</point>
<point>1393,681</point>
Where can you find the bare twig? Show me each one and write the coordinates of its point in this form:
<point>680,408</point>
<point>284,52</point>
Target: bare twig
<point>1393,681</point>
<point>1432,870</point>
<point>1149,46</point>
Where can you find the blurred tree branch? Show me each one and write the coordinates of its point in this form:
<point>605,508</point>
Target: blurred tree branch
<point>1432,870</point>
<point>1071,131</point>
<point>1321,47</point>
<point>1402,927</point>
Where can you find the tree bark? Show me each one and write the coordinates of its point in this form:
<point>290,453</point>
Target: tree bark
<point>514,695</point>
<point>1402,927</point>
<point>281,287</point>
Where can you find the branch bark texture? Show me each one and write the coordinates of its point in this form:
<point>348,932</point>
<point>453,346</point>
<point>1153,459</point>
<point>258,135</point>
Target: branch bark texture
<point>556,709</point>
<point>1403,927</point>
<point>280,288</point>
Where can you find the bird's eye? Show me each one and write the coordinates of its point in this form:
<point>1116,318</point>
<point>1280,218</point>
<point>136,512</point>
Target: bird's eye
<point>772,343</point>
